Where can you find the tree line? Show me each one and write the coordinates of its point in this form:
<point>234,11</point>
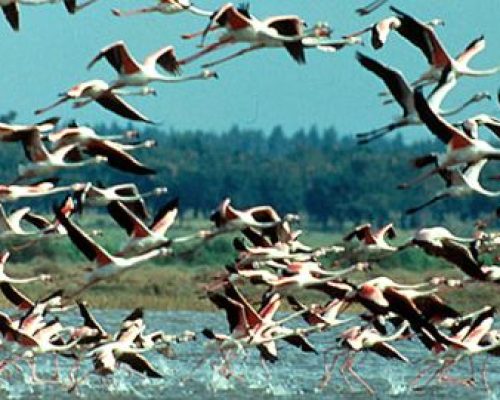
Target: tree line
<point>326,177</point>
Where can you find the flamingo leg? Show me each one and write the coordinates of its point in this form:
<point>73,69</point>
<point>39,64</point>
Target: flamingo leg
<point>199,33</point>
<point>328,370</point>
<point>342,371</point>
<point>418,179</point>
<point>359,379</point>
<point>53,105</point>
<point>206,50</point>
<point>428,203</point>
<point>120,13</point>
<point>484,374</point>
<point>419,376</point>
<point>234,55</point>
<point>369,8</point>
<point>367,137</point>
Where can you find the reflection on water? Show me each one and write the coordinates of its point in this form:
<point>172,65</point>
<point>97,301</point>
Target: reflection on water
<point>295,375</point>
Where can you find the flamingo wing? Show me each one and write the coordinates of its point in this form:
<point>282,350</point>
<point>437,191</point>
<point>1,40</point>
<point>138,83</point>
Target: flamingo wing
<point>117,105</point>
<point>165,58</point>
<point>473,48</point>
<point>128,220</point>
<point>17,298</point>
<point>82,241</point>
<point>387,351</point>
<point>423,37</point>
<point>89,320</point>
<point>165,217</point>
<point>119,57</point>
<point>11,12</point>
<point>290,26</point>
<point>117,157</point>
<point>393,79</point>
<point>439,127</point>
<point>138,363</point>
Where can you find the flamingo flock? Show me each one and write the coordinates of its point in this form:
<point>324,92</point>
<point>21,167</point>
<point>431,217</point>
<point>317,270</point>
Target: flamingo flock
<point>269,258</point>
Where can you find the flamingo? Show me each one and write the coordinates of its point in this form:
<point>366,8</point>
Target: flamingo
<point>10,8</point>
<point>22,302</point>
<point>44,162</point>
<point>357,339</point>
<point>461,149</point>
<point>38,189</point>
<point>241,26</point>
<point>403,94</point>
<point>5,278</point>
<point>166,7</point>
<point>425,38</point>
<point>372,244</point>
<point>14,133</point>
<point>380,30</point>
<point>440,242</point>
<point>326,315</point>
<point>132,73</point>
<point>115,153</point>
<point>99,91</point>
<point>471,125</point>
<point>143,237</point>
<point>257,328</point>
<point>10,226</point>
<point>458,184</point>
<point>262,218</point>
<point>107,265</point>
<point>107,355</point>
<point>127,193</point>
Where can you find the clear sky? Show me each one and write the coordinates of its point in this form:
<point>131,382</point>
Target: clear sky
<point>259,90</point>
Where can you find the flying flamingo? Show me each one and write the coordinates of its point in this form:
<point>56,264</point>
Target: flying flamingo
<point>357,339</point>
<point>403,94</point>
<point>241,26</point>
<point>141,236</point>
<point>106,356</point>
<point>461,149</point>
<point>10,8</point>
<point>14,133</point>
<point>44,162</point>
<point>99,91</point>
<point>372,244</point>
<point>424,37</point>
<point>471,125</point>
<point>380,30</point>
<point>39,189</point>
<point>107,265</point>
<point>97,195</point>
<point>132,73</point>
<point>4,278</point>
<point>166,7</point>
<point>262,218</point>
<point>459,183</point>
<point>86,140</point>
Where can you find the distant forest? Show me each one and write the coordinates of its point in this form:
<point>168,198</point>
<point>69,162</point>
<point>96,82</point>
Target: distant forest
<point>329,179</point>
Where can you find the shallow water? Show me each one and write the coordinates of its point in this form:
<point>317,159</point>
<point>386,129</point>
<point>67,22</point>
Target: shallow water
<point>295,375</point>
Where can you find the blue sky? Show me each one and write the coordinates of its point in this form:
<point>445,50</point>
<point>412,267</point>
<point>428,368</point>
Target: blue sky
<point>259,90</point>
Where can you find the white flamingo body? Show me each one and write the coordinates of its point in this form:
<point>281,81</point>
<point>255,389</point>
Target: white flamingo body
<point>132,73</point>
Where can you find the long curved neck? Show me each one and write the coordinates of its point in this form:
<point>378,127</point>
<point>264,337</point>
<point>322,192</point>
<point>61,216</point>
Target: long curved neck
<point>478,73</point>
<point>5,278</point>
<point>177,79</point>
<point>145,257</point>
